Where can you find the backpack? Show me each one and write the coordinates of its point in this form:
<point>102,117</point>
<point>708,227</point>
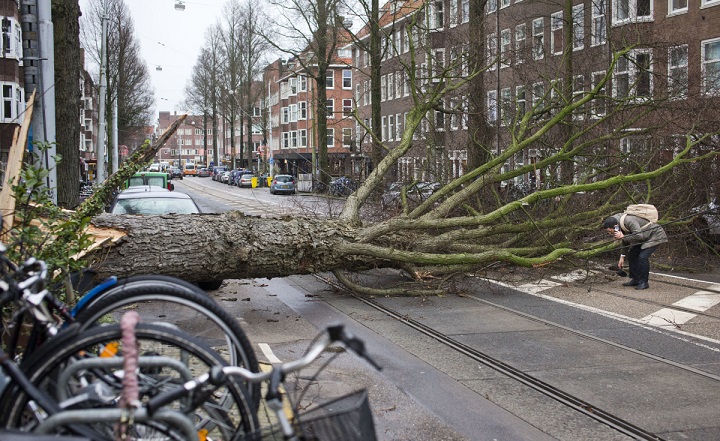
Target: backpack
<point>645,211</point>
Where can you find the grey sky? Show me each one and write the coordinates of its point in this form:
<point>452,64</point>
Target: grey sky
<point>172,40</point>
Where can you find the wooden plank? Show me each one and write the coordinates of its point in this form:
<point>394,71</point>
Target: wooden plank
<point>12,171</point>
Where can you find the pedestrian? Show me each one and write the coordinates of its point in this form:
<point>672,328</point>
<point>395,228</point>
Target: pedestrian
<point>641,237</point>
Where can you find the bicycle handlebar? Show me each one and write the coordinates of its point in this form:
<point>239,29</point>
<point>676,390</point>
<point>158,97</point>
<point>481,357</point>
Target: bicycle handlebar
<point>216,376</point>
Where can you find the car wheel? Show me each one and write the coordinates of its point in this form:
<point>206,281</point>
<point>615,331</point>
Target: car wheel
<point>210,285</point>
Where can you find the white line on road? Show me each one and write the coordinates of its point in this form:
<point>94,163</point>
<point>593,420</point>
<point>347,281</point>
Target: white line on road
<point>265,348</point>
<point>701,301</point>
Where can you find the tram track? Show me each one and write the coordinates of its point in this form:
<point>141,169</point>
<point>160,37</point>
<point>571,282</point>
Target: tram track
<point>571,401</point>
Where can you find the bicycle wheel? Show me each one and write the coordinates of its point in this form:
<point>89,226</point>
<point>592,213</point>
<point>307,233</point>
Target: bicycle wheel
<point>170,300</point>
<point>80,371</point>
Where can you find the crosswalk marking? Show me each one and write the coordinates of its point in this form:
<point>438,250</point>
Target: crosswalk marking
<point>700,301</point>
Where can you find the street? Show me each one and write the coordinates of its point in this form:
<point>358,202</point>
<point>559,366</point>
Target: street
<point>523,355</point>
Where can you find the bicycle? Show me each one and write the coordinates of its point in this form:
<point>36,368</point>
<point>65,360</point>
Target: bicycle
<point>156,294</point>
<point>43,385</point>
<point>348,418</point>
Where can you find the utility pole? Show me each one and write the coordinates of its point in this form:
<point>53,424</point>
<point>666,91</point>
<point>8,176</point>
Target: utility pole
<point>100,178</point>
<point>39,69</point>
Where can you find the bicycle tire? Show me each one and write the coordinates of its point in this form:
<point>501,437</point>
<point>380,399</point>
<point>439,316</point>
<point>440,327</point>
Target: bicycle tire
<point>157,290</point>
<point>44,367</point>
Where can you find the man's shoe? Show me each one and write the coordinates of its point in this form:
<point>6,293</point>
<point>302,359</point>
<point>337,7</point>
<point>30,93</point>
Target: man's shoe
<point>631,283</point>
<point>642,285</point>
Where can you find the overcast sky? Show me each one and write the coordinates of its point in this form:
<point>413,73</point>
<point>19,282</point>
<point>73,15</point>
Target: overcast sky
<point>172,40</point>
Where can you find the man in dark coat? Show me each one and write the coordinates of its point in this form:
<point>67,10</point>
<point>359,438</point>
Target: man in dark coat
<point>642,238</point>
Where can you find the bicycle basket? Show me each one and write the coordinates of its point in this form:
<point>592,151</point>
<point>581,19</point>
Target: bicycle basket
<point>347,418</point>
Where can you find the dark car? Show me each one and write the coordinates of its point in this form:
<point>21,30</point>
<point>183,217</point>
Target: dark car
<point>176,173</point>
<point>282,184</point>
<point>151,200</point>
<point>217,172</point>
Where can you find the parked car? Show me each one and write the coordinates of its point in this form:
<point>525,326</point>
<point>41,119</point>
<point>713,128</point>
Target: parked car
<point>246,180</point>
<point>155,167</point>
<point>217,172</point>
<point>416,192</point>
<point>282,184</point>
<point>152,200</point>
<point>224,177</point>
<point>203,172</point>
<point>176,173</point>
<point>235,177</point>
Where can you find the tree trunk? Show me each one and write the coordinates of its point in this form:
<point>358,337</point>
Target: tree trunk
<point>65,15</point>
<point>224,246</point>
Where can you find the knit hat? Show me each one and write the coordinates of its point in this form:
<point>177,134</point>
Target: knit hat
<point>610,222</point>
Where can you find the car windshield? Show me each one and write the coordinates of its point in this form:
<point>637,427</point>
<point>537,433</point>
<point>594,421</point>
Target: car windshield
<point>284,178</point>
<point>153,206</point>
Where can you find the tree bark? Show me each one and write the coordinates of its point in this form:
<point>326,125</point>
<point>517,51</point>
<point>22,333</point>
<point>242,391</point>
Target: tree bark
<point>223,246</point>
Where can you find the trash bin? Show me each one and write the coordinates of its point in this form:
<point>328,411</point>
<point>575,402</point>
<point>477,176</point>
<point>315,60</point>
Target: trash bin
<point>254,182</point>
<point>269,181</point>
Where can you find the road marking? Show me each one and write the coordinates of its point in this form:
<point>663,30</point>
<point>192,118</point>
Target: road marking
<point>701,301</point>
<point>664,326</point>
<point>268,352</point>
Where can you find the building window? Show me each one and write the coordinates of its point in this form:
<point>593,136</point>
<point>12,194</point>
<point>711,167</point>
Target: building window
<point>711,67</point>
<point>492,106</point>
<point>347,107</point>
<point>437,17</point>
<point>302,138</point>
<point>678,71</point>
<point>491,50</point>
<point>677,6</point>
<point>465,10</point>
<point>285,115</point>
<point>505,106</point>
<point>302,110</point>
<point>383,88</point>
<point>538,92</point>
<point>578,94</point>
<point>454,13</point>
<point>330,79</point>
<point>286,140</point>
<point>330,142</point>
<point>330,105</point>
<point>632,10</point>
<point>293,113</point>
<point>538,34</point>
<point>633,75</point>
<point>578,12</point>
<point>556,33</point>
<point>294,139</point>
<point>520,43</point>
<point>347,137</point>
<point>398,127</point>
<point>347,79</point>
<point>491,6</point>
<point>390,86</point>
<point>383,128</point>
<point>504,3</point>
<point>599,107</point>
<point>505,42</point>
<point>520,101</point>
<point>398,83</point>
<point>390,127</point>
<point>599,24</point>
<point>257,111</point>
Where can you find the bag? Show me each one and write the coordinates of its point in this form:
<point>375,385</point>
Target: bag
<point>645,211</point>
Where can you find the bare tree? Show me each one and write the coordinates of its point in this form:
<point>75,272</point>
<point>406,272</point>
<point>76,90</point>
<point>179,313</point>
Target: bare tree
<point>310,32</point>
<point>129,82</point>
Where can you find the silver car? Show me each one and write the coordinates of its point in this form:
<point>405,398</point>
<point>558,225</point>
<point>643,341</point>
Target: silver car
<point>150,200</point>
